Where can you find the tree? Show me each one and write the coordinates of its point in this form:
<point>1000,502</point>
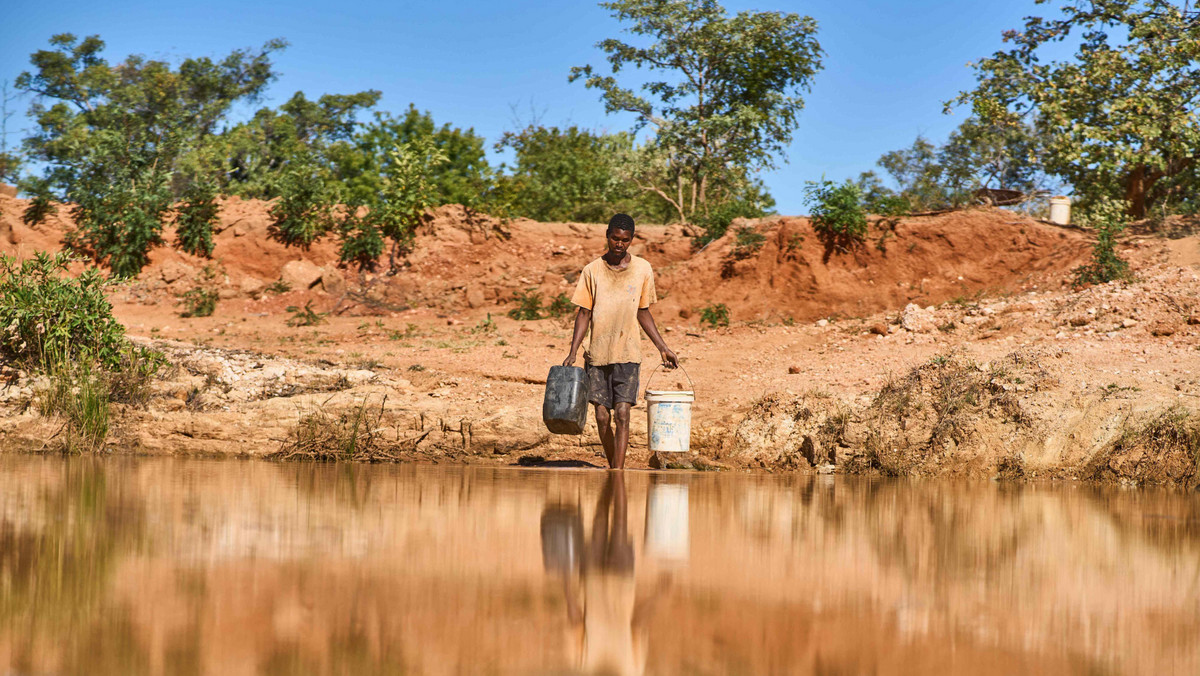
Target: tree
<point>570,174</point>
<point>1119,116</point>
<point>730,96</point>
<point>113,136</point>
<point>461,179</point>
<point>253,157</point>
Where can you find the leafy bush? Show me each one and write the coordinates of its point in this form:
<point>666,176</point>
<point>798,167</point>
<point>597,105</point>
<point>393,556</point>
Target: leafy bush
<point>47,316</point>
<point>362,243</point>
<point>529,306</point>
<point>120,222</point>
<point>746,242</point>
<point>1105,216</point>
<point>195,217</point>
<point>715,315</point>
<point>837,216</point>
<point>304,210</point>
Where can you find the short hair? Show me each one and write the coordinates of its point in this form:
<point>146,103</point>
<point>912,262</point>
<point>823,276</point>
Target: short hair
<point>620,222</point>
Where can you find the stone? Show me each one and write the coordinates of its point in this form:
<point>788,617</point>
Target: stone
<point>173,271</point>
<point>1162,329</point>
<point>252,286</point>
<point>333,281</point>
<point>793,370</point>
<point>916,319</point>
<point>1129,323</point>
<point>300,274</point>
<point>879,329</point>
<point>474,296</point>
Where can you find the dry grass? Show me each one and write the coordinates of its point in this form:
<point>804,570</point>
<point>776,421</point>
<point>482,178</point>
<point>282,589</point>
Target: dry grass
<point>938,405</point>
<point>354,435</point>
<point>1162,449</point>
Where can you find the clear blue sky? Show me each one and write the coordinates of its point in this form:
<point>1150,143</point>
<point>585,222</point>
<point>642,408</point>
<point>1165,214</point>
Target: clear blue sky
<point>888,65</point>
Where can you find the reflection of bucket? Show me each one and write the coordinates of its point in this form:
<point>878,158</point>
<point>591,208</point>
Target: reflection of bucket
<point>669,420</point>
<point>1060,210</point>
<point>667,522</point>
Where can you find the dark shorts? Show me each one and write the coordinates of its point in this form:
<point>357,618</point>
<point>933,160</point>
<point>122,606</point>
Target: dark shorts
<point>612,384</point>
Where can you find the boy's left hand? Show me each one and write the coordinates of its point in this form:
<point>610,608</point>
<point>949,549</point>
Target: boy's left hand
<point>668,358</point>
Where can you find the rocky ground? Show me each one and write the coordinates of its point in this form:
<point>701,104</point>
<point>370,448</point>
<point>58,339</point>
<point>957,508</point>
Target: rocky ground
<point>949,344</point>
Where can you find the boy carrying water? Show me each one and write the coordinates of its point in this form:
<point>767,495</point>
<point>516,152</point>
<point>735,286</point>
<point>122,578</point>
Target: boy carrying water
<point>614,296</point>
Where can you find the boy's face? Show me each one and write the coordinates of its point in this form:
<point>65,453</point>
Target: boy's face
<point>618,241</point>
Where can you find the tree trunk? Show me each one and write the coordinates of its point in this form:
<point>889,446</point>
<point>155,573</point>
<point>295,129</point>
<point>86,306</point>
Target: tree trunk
<point>1137,186</point>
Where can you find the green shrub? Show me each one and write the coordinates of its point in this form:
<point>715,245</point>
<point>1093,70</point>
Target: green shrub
<point>715,222</point>
<point>195,217</point>
<point>561,306</point>
<point>79,392</point>
<point>1105,216</point>
<point>119,224</point>
<point>47,316</point>
<point>747,242</point>
<point>529,306</point>
<point>837,215</point>
<point>362,243</point>
<point>201,299</point>
<point>304,210</point>
<point>198,302</point>
<point>304,316</point>
<point>715,315</point>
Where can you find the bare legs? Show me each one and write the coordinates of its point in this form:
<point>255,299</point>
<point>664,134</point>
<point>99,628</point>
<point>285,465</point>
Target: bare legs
<point>615,444</point>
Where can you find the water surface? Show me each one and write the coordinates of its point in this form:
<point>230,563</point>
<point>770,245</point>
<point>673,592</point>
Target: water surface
<point>171,566</point>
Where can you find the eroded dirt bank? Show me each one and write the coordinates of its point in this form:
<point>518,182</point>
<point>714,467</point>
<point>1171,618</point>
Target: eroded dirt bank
<point>949,344</point>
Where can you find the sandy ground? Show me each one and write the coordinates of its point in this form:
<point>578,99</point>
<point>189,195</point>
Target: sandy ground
<point>792,383</point>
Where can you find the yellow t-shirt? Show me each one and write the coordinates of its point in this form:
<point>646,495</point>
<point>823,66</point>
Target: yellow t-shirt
<point>614,297</point>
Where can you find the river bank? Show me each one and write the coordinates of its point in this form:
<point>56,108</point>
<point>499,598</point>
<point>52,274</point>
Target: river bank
<point>947,345</point>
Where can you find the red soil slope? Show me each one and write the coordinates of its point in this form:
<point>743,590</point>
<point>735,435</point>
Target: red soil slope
<point>464,260</point>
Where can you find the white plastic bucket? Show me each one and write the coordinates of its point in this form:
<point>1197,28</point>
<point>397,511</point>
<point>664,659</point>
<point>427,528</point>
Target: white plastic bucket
<point>1060,210</point>
<point>669,420</point>
<point>667,522</point>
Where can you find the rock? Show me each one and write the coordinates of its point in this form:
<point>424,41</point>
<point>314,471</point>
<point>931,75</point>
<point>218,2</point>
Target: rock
<point>878,328</point>
<point>300,274</point>
<point>916,319</point>
<point>252,286</point>
<point>1162,329</point>
<point>227,292</point>
<point>793,370</point>
<point>173,271</point>
<point>1194,320</point>
<point>822,322</point>
<point>684,313</point>
<point>1128,323</point>
<point>333,281</point>
<point>474,296</point>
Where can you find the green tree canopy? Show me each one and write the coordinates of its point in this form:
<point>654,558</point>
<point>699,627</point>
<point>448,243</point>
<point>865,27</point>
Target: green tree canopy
<point>1120,115</point>
<point>729,98</point>
<point>112,136</point>
<point>461,178</point>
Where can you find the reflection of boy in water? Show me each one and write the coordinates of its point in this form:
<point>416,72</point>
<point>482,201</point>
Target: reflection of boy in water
<point>609,628</point>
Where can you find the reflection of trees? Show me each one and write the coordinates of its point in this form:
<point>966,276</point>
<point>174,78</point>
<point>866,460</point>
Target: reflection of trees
<point>55,564</point>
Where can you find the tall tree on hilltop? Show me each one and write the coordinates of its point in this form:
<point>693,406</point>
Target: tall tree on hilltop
<point>1120,116</point>
<point>729,99</point>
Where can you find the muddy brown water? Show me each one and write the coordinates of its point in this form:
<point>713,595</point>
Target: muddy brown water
<point>173,566</point>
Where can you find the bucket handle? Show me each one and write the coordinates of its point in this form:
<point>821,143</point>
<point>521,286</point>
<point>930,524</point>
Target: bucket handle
<point>655,372</point>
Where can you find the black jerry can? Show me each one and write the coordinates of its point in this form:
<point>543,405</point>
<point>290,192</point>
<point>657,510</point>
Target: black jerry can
<point>564,410</point>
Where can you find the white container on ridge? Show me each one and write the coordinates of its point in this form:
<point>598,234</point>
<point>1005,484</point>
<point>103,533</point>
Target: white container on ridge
<point>1060,210</point>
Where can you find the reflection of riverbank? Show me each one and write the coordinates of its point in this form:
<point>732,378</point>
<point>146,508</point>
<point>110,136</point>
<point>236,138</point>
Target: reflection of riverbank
<point>247,567</point>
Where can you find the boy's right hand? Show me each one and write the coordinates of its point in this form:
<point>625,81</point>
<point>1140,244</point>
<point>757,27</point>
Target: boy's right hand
<point>570,360</point>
